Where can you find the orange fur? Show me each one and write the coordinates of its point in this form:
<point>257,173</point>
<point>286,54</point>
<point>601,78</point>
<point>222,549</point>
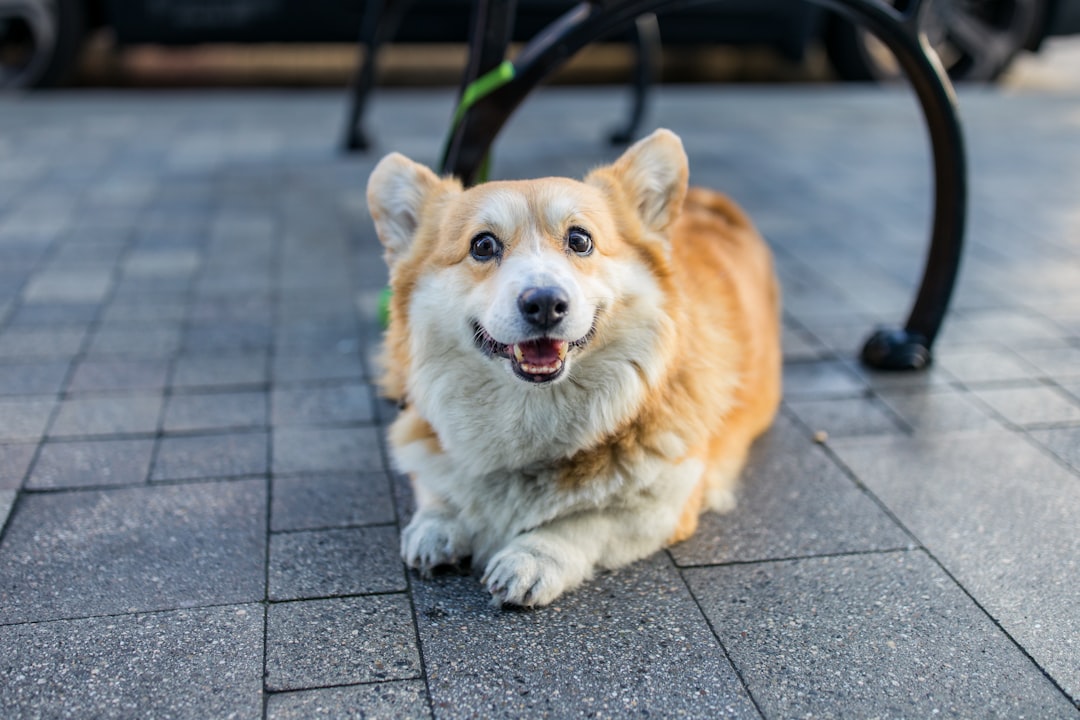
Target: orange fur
<point>723,388</point>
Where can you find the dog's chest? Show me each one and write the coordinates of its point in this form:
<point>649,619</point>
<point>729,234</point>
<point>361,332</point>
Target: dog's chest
<point>502,426</point>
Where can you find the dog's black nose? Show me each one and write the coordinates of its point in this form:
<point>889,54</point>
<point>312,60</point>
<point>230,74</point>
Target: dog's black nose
<point>543,307</point>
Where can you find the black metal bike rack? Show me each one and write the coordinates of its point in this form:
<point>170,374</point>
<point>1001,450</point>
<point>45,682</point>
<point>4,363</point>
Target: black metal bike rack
<point>383,18</point>
<point>480,120</point>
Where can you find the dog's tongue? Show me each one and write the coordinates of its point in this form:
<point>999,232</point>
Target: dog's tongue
<point>542,352</point>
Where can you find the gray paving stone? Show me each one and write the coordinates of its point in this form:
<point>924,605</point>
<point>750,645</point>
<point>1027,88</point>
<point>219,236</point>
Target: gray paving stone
<point>979,366</point>
<point>927,380</point>
<point>806,293</point>
<point>21,258</point>
<point>197,663</point>
<point>123,550</point>
<point>1070,325</point>
<point>1072,388</point>
<point>312,337</point>
<point>325,501</point>
<point>846,416</point>
<point>112,375</point>
<point>308,367</point>
<point>162,262</point>
<point>58,315</point>
<point>792,501</point>
<point>323,404</point>
<point>44,378</point>
<point>24,418</point>
<point>319,643</point>
<point>868,636</point>
<point>152,292</point>
<point>1063,442</point>
<point>321,450</point>
<point>1008,326</point>
<point>1061,363</point>
<point>120,312</point>
<point>234,281</point>
<point>217,411</point>
<point>216,371</point>
<point>940,410</point>
<point>825,378</point>
<point>210,456</point>
<point>7,502</point>
<point>156,341</point>
<point>398,699</point>
<point>134,288</point>
<point>228,336</point>
<point>325,563</point>
<point>800,345</point>
<point>8,498</point>
<point>257,308</point>
<point>631,642</point>
<point>174,226</point>
<point>334,306</point>
<point>842,333</point>
<point>1030,405</point>
<point>15,459</point>
<point>35,231</point>
<point>56,343</point>
<point>85,285</point>
<point>1000,515</point>
<point>126,192</point>
<point>89,464</point>
<point>111,415</point>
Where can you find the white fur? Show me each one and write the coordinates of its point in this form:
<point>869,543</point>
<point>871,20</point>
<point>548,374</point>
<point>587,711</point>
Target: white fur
<point>489,420</point>
<point>398,186</point>
<point>534,539</point>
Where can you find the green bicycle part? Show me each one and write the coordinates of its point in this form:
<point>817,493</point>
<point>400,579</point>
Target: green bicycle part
<point>481,87</point>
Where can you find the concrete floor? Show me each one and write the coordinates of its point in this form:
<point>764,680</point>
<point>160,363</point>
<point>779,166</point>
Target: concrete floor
<point>198,520</point>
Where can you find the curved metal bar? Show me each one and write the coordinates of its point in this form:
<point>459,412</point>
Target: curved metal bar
<point>908,348</point>
<point>380,24</point>
<point>647,47</point>
<point>472,137</point>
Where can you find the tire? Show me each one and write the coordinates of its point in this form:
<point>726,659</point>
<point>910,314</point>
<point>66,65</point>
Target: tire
<point>976,40</point>
<point>39,41</point>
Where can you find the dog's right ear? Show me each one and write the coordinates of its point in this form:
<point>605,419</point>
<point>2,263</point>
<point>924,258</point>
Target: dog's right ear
<point>396,193</point>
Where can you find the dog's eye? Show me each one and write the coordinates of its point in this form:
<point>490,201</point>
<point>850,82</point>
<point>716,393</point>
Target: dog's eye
<point>485,246</point>
<point>579,241</point>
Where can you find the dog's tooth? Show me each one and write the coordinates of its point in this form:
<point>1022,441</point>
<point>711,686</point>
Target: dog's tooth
<point>541,369</point>
<point>519,354</point>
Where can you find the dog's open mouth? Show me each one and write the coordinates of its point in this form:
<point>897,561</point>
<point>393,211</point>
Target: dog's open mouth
<point>538,360</point>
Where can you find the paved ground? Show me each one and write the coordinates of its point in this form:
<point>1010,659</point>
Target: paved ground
<point>197,516</point>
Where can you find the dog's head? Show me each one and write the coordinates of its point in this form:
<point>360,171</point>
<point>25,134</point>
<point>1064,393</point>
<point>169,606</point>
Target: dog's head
<point>523,277</point>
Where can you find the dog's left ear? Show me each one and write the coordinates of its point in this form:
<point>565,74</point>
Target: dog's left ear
<point>396,192</point>
<point>654,173</point>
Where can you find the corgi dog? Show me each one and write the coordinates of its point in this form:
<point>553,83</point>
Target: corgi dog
<point>582,366</point>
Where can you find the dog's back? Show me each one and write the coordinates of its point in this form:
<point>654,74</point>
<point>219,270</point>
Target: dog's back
<point>725,270</point>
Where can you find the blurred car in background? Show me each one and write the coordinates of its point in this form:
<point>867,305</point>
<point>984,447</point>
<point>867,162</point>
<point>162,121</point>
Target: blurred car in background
<point>976,39</point>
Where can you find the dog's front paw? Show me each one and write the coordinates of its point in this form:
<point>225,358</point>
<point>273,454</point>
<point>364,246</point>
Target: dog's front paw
<point>432,541</point>
<point>532,574</point>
